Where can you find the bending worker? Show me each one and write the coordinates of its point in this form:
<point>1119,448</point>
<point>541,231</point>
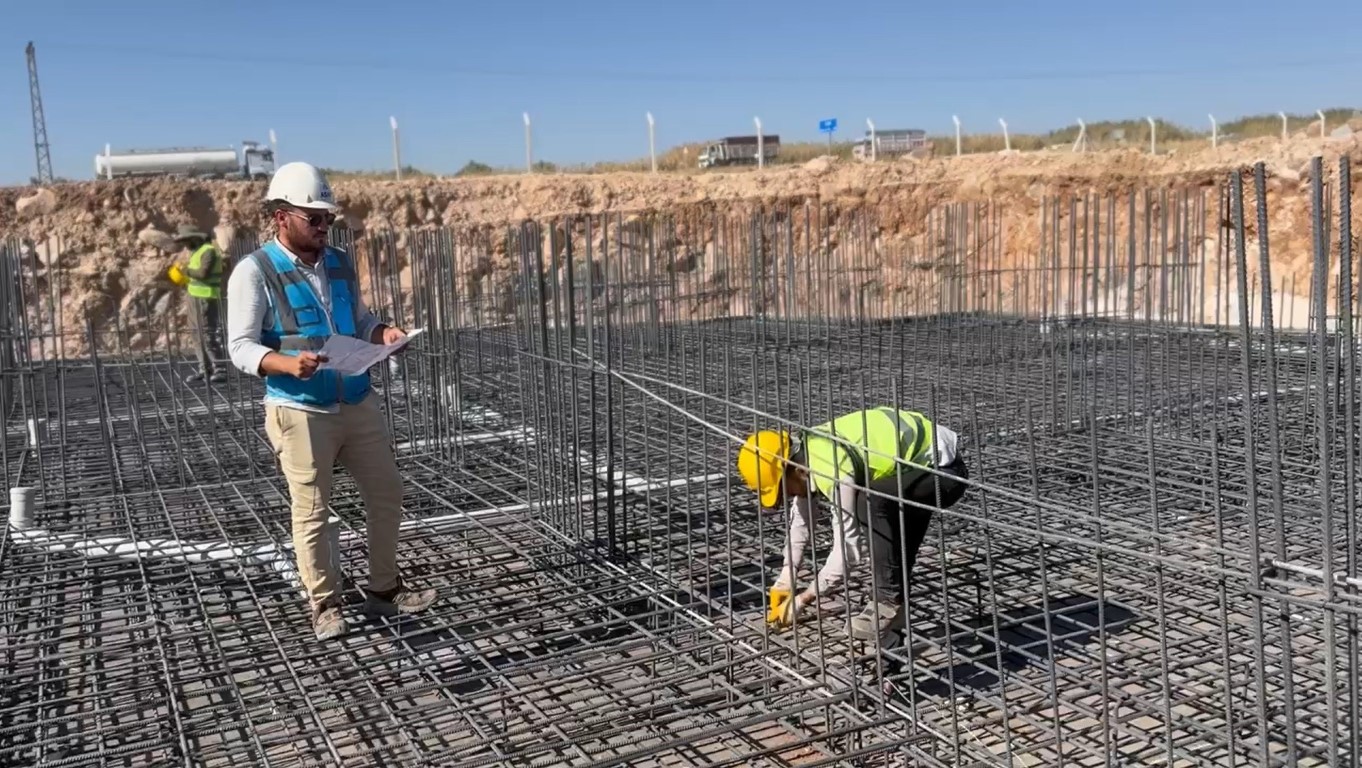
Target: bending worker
<point>284,301</point>
<point>204,271</point>
<point>883,449</point>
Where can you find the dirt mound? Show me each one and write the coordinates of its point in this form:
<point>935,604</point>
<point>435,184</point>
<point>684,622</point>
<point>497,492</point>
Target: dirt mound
<point>112,212</point>
<point>104,244</point>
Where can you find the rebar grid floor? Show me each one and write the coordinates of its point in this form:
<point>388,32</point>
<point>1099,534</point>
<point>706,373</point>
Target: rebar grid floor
<point>1102,593</point>
<point>1092,601</point>
<point>163,623</point>
<point>537,654</point>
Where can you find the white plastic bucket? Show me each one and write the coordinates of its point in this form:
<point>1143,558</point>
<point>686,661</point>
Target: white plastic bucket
<point>21,508</point>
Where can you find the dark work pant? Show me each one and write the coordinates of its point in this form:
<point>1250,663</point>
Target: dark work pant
<point>208,324</point>
<point>896,544</point>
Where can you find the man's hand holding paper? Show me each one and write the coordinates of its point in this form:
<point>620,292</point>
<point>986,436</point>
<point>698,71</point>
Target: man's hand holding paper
<point>351,357</point>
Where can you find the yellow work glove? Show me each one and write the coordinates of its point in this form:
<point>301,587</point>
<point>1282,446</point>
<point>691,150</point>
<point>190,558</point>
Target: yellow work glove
<point>785,608</point>
<point>778,600</point>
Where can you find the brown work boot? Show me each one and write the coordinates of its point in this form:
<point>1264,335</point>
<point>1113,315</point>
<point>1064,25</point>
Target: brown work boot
<point>327,621</point>
<point>397,600</point>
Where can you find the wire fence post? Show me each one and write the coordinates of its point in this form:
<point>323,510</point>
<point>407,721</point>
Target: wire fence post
<point>761,144</point>
<point>397,149</point>
<point>652,145</point>
<point>529,155</point>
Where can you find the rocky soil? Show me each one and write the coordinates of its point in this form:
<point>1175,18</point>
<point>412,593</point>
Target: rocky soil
<point>98,250</point>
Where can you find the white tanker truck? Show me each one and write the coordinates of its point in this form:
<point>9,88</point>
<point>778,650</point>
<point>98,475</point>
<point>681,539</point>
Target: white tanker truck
<point>252,161</point>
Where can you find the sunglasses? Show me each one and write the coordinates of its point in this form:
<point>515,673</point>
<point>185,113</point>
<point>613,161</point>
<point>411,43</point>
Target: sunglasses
<point>314,219</point>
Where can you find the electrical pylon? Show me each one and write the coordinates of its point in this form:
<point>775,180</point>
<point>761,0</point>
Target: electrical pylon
<point>40,147</point>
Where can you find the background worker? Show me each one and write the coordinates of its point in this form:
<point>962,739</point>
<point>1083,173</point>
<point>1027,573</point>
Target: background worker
<point>204,270</point>
<point>283,302</point>
<point>884,449</point>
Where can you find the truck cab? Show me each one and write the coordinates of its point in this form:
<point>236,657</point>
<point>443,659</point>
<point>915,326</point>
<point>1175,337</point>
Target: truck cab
<point>710,156</point>
<point>257,162</point>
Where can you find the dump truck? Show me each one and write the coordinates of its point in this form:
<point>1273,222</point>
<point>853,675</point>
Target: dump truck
<point>739,150</point>
<point>252,161</point>
<point>902,141</point>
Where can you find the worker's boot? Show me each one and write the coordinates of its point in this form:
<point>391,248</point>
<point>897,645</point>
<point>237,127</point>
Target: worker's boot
<point>327,621</point>
<point>878,618</point>
<point>218,377</point>
<point>398,600</point>
<point>194,378</point>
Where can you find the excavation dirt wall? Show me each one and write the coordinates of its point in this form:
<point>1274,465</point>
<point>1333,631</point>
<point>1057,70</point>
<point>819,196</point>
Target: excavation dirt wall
<point>98,250</point>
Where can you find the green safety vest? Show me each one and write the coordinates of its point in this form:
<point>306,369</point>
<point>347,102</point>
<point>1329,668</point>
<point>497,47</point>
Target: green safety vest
<point>211,286</point>
<point>866,444</point>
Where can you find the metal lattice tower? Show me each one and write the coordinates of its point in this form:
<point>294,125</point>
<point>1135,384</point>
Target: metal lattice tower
<point>40,147</point>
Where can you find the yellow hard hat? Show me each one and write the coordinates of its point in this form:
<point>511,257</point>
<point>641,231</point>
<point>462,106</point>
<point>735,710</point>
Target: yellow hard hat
<point>176,276</point>
<point>761,463</point>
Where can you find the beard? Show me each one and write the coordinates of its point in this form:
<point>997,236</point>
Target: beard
<point>305,241</point>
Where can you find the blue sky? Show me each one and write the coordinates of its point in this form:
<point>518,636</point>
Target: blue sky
<point>458,75</point>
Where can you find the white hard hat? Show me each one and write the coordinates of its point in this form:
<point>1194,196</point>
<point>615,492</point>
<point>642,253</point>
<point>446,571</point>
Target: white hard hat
<point>302,186</point>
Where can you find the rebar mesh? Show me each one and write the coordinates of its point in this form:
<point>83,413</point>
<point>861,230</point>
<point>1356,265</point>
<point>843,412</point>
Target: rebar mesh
<point>1154,564</point>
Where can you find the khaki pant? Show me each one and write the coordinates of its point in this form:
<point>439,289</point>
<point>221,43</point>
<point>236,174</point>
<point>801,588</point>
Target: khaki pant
<point>308,445</point>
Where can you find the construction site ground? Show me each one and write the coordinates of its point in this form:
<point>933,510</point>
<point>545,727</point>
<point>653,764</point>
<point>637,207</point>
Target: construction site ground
<point>1155,563</point>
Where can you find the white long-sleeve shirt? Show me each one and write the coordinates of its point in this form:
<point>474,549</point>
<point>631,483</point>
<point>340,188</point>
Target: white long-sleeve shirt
<point>250,311</point>
<point>847,544</point>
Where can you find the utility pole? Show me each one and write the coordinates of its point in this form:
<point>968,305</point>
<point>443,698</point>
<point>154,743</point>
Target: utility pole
<point>35,95</point>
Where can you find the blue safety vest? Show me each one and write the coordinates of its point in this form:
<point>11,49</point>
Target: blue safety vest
<point>301,324</point>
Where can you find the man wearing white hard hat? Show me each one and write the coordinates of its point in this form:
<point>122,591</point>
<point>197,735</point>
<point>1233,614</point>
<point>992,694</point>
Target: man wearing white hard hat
<point>283,302</point>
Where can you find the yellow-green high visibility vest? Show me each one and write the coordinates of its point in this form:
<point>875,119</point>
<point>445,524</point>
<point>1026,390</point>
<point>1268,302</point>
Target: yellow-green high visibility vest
<point>869,444</point>
<point>211,286</point>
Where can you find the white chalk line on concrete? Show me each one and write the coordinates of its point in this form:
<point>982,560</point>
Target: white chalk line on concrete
<point>526,435</point>
<point>48,428</point>
<point>469,438</point>
<point>279,557</point>
<point>131,549</point>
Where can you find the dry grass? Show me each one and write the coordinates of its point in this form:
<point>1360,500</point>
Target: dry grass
<point>1101,135</point>
<point>408,172</point>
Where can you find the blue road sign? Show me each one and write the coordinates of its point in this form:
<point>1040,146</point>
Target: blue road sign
<point>827,126</point>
